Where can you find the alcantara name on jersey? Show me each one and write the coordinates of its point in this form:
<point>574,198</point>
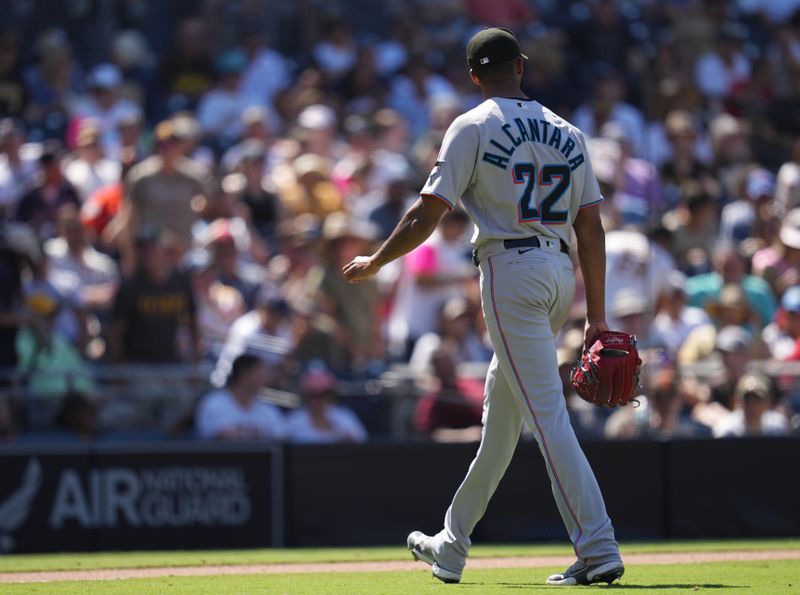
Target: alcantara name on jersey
<point>532,131</point>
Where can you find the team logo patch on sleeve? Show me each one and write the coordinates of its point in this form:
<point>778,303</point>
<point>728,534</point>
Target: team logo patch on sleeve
<point>435,171</point>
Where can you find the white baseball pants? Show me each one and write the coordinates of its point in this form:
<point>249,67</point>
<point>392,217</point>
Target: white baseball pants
<point>527,294</point>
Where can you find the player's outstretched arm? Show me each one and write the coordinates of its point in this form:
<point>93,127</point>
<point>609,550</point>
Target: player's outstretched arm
<point>592,256</point>
<point>414,228</point>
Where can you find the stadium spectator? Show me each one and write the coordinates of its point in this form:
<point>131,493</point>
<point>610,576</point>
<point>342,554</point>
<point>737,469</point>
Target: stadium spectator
<point>76,267</point>
<point>49,363</point>
<point>695,103</point>
<point>187,72</point>
<point>38,207</point>
<point>751,214</point>
<point>19,249</point>
<point>432,274</point>
<point>729,269</point>
<point>236,412</point>
<point>13,94</point>
<point>104,104</point>
<point>320,420</point>
<point>151,306</point>
<point>87,169</point>
<point>665,412</point>
<point>161,190</point>
<point>752,415</point>
<point>220,110</point>
<point>265,331</point>
<point>456,329</point>
<point>674,318</point>
<point>456,403</point>
<point>779,265</point>
<point>19,166</point>
<point>354,308</point>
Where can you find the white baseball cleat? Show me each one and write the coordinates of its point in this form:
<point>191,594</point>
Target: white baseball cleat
<point>582,574</point>
<point>421,548</point>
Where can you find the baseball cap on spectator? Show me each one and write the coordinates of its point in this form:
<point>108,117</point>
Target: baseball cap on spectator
<point>759,183</point>
<point>628,302</point>
<point>791,299</point>
<point>790,229</point>
<point>42,302</point>
<point>733,339</point>
<point>676,283</point>
<point>752,384</point>
<point>104,76</point>
<point>317,117</point>
<point>231,62</point>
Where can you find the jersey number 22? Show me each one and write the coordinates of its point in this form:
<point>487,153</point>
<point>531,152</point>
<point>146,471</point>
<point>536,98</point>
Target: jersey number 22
<point>525,173</point>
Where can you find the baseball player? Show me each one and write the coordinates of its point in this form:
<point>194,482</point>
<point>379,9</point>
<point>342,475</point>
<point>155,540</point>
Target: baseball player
<point>523,175</point>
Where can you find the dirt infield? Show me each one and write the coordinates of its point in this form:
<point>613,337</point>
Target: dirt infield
<point>474,563</point>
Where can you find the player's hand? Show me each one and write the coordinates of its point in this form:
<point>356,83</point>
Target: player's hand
<point>362,268</point>
<point>592,331</point>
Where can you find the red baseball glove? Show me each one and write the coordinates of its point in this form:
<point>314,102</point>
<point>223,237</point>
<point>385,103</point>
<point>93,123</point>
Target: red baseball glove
<point>608,373</point>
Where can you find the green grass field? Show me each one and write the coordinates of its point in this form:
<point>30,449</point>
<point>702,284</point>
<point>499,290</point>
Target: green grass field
<point>763,577</point>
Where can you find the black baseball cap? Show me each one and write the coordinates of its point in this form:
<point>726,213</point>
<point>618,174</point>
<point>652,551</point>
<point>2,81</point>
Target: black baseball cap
<point>492,46</point>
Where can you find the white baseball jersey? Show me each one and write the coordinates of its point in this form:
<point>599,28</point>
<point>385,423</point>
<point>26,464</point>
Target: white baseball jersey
<point>519,169</point>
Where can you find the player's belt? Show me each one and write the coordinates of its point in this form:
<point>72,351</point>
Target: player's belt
<point>531,242</point>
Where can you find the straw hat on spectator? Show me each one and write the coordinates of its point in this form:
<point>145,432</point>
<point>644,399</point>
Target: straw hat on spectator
<point>339,225</point>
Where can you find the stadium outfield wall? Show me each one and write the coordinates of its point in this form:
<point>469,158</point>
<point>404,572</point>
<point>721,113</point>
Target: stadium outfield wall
<point>199,495</point>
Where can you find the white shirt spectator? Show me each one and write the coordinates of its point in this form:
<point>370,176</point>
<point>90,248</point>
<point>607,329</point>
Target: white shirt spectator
<point>622,113</point>
<point>715,78</point>
<point>672,333</point>
<point>772,424</point>
<point>247,336</point>
<point>780,345</point>
<point>220,113</point>
<point>88,177</point>
<point>633,263</point>
<point>121,110</point>
<point>264,77</point>
<point>335,59</point>
<point>405,99</point>
<point>16,182</point>
<point>787,188</point>
<point>416,308</point>
<point>778,11</point>
<point>219,413</point>
<point>346,427</point>
<point>72,275</point>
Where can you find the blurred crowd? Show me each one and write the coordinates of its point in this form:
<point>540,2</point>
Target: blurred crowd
<point>187,192</point>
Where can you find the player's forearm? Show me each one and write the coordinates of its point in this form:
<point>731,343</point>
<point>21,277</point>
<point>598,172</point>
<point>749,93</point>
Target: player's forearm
<point>592,256</point>
<point>414,228</point>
